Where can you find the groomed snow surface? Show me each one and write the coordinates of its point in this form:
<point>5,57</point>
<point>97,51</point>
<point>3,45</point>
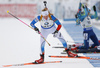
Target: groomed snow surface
<point>20,44</point>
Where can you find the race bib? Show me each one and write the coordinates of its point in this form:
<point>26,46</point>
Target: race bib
<point>86,23</point>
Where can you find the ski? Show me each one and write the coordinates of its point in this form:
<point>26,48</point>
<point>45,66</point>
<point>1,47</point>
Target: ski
<point>31,63</point>
<point>58,47</point>
<point>80,57</point>
<point>63,53</point>
<point>83,53</point>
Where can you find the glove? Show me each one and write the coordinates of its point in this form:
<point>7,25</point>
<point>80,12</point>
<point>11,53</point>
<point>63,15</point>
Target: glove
<point>83,6</point>
<point>37,30</point>
<point>76,16</point>
<point>55,33</point>
<point>77,21</point>
<point>94,8</point>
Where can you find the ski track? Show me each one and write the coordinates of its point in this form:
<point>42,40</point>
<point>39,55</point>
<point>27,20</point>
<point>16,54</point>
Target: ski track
<point>76,33</point>
<point>20,44</point>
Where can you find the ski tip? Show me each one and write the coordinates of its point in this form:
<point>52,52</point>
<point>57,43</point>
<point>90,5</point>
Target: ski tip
<point>7,11</point>
<point>6,65</point>
<point>49,56</point>
<point>60,61</point>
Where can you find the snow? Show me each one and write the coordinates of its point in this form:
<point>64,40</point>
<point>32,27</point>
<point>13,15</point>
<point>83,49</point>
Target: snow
<point>96,23</point>
<point>20,44</point>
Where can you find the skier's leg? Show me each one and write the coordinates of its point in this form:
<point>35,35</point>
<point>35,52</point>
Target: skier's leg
<point>62,40</point>
<point>86,41</point>
<point>95,40</point>
<point>42,49</point>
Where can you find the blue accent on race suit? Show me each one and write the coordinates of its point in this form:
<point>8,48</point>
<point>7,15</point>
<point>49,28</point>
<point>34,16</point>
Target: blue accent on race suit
<point>42,46</point>
<point>63,42</point>
<point>87,29</point>
<point>57,21</point>
<point>35,21</point>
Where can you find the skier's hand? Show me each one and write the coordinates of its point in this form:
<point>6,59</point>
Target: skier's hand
<point>76,16</point>
<point>77,21</point>
<point>55,33</point>
<point>83,6</point>
<point>94,8</point>
<point>37,30</point>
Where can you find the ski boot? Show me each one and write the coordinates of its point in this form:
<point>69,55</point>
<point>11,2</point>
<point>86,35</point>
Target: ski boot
<point>75,48</point>
<point>41,60</point>
<point>70,54</point>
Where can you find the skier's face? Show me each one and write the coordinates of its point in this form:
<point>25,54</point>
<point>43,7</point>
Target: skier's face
<point>46,17</point>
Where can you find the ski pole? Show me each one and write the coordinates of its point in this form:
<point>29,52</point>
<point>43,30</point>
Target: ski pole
<point>70,42</point>
<point>73,41</point>
<point>28,26</point>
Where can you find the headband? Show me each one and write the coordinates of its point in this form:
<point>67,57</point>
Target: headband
<point>44,13</point>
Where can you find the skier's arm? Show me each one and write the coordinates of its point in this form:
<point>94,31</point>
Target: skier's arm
<point>57,22</point>
<point>33,24</point>
<point>94,16</point>
<point>95,13</point>
<point>79,9</point>
<point>83,14</point>
<point>77,21</point>
<point>77,16</point>
<point>80,15</point>
<point>35,21</point>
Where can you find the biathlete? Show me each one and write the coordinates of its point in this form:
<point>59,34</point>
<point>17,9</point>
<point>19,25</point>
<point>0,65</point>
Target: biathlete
<point>84,17</point>
<point>47,22</point>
